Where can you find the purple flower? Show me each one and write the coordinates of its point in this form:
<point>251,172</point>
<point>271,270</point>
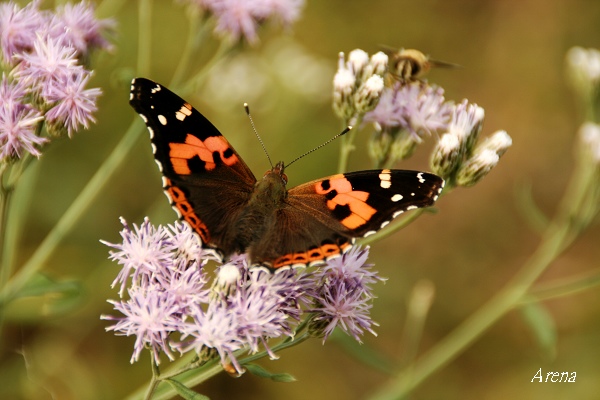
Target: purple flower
<point>18,122</point>
<point>151,316</point>
<point>144,251</point>
<point>185,282</point>
<point>77,26</point>
<point>466,123</point>
<point>17,28</point>
<point>74,104</point>
<point>242,308</point>
<point>416,107</point>
<point>214,328</point>
<point>344,297</point>
<point>241,18</point>
<point>49,65</point>
<point>343,304</point>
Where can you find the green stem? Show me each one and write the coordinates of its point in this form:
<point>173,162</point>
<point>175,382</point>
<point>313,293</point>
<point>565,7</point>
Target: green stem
<point>189,48</point>
<point>465,334</point>
<point>559,235</point>
<point>562,288</point>
<point>144,37</point>
<point>73,213</point>
<point>154,381</point>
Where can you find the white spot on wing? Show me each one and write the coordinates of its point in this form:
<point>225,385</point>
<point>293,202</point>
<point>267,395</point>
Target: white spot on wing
<point>156,89</point>
<point>151,131</point>
<point>369,233</point>
<point>160,167</point>
<point>162,119</point>
<point>384,224</point>
<point>397,213</point>
<point>385,179</point>
<point>144,118</point>
<point>183,112</point>
<point>420,177</point>
<point>411,208</point>
<point>397,197</point>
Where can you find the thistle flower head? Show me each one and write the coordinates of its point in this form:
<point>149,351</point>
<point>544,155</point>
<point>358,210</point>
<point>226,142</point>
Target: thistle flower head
<point>17,26</point>
<point>242,308</point>
<point>416,107</point>
<point>77,26</point>
<point>151,316</point>
<point>240,19</point>
<point>18,122</point>
<point>74,105</point>
<point>344,297</point>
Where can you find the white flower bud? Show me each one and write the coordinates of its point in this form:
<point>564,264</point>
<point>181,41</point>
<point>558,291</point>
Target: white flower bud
<point>446,155</point>
<point>476,167</point>
<point>368,94</point>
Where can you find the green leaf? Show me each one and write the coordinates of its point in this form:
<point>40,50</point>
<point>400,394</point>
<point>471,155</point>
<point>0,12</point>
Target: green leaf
<point>186,392</point>
<point>263,373</point>
<point>40,285</point>
<point>542,327</point>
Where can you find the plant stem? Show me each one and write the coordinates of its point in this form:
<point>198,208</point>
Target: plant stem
<point>558,236</point>
<point>73,213</point>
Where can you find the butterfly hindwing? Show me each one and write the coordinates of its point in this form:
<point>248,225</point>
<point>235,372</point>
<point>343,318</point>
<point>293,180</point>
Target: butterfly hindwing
<point>327,214</point>
<point>204,177</point>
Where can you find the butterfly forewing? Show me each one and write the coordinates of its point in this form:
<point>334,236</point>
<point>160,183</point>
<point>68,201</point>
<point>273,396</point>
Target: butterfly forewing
<point>204,178</point>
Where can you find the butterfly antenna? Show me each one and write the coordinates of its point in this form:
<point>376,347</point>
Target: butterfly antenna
<point>247,108</point>
<point>348,129</point>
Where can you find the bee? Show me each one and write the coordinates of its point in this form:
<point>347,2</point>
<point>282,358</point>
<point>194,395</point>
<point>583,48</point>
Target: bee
<point>408,65</point>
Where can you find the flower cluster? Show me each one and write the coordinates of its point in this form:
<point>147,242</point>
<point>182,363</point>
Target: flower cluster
<point>165,288</point>
<point>458,157</point>
<point>405,111</point>
<point>358,83</point>
<point>237,19</point>
<point>43,52</point>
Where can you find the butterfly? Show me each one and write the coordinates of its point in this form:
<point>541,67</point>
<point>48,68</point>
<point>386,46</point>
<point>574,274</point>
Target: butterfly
<point>213,190</point>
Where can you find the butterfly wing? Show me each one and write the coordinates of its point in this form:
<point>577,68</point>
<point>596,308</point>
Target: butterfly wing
<point>206,181</point>
<point>321,218</point>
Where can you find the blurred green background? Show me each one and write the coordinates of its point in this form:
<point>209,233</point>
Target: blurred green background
<point>513,57</point>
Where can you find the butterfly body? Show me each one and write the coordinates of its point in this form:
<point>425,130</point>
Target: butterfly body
<point>214,191</point>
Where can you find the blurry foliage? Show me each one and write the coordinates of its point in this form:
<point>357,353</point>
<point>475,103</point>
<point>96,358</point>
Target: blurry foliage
<point>513,58</point>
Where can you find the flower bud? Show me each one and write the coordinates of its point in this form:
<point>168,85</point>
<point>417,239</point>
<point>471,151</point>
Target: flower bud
<point>446,156</point>
<point>583,67</point>
<point>368,94</point>
<point>343,87</point>
<point>499,142</point>
<point>589,135</point>
<point>379,61</point>
<point>476,167</point>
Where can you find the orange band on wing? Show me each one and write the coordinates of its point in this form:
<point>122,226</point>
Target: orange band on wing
<point>311,255</point>
<point>187,211</point>
<point>356,200</point>
<point>181,153</point>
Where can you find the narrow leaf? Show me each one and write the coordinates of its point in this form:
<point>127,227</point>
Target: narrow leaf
<point>263,373</point>
<point>542,327</point>
<point>186,392</point>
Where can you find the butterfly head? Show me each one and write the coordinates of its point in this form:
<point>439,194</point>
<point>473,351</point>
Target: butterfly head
<point>276,174</point>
